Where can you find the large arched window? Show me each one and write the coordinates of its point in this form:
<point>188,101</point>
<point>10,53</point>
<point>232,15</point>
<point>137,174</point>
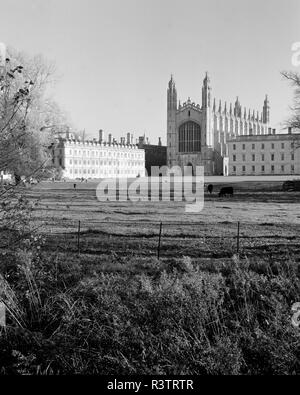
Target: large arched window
<point>190,137</point>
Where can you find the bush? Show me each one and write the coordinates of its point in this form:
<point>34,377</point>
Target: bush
<point>70,318</point>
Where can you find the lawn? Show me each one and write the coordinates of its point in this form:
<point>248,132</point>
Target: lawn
<point>108,305</point>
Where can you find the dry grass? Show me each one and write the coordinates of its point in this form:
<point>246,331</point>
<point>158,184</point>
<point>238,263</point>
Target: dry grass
<point>116,309</point>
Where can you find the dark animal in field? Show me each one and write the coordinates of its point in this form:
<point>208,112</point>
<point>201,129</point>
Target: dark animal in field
<point>225,191</point>
<point>291,185</point>
<point>210,188</point>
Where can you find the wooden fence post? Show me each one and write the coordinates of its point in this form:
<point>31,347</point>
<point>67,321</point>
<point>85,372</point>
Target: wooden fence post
<point>238,239</point>
<point>78,237</point>
<point>159,240</point>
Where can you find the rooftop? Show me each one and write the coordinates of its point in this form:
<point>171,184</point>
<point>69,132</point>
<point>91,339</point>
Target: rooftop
<point>262,137</point>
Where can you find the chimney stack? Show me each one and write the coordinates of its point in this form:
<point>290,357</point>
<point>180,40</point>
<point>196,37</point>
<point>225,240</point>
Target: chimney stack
<point>100,136</point>
<point>141,141</point>
<point>109,138</point>
<point>128,138</point>
<point>159,141</point>
<point>289,130</point>
<point>274,131</point>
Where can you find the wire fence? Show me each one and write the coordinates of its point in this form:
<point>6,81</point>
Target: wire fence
<point>172,239</point>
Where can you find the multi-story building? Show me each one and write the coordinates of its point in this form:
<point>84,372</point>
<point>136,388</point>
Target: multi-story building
<point>155,155</point>
<point>98,158</point>
<point>197,135</point>
<point>271,154</point>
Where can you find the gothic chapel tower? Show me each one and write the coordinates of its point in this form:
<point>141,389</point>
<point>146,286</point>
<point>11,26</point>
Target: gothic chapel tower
<point>171,123</point>
<point>266,110</point>
<point>207,112</point>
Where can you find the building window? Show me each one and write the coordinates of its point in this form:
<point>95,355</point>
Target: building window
<point>190,137</point>
<point>244,169</point>
<point>253,146</point>
<point>244,147</point>
<point>292,168</point>
<point>272,169</point>
<point>282,168</point>
<point>292,157</point>
<point>234,147</point>
<point>272,157</point>
<point>244,158</point>
<point>282,145</point>
<point>262,146</point>
<point>70,161</point>
<point>234,158</point>
<point>263,169</point>
<point>282,156</point>
<point>273,146</point>
<point>262,157</point>
<point>234,169</point>
<point>253,158</point>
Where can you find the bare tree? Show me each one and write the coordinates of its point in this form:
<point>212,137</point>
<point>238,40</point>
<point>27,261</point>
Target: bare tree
<point>28,120</point>
<point>294,120</point>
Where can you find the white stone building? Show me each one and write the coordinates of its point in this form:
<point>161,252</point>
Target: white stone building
<point>271,154</point>
<point>97,158</point>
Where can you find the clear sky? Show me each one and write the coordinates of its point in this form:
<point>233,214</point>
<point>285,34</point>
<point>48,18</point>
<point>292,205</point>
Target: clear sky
<point>115,57</point>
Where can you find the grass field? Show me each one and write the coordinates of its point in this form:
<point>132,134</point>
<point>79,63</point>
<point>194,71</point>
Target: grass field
<point>112,307</point>
<point>270,222</point>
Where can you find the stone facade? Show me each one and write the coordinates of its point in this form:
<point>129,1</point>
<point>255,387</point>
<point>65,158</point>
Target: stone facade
<point>272,154</point>
<point>197,135</point>
<point>155,155</point>
<point>98,159</point>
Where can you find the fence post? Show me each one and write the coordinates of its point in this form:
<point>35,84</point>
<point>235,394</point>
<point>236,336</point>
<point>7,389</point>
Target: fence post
<point>78,237</point>
<point>238,239</point>
<point>159,239</point>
